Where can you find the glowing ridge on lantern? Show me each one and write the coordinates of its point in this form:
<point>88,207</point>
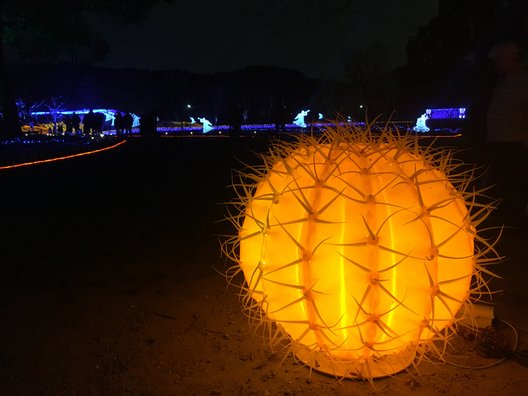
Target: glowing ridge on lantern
<point>299,118</point>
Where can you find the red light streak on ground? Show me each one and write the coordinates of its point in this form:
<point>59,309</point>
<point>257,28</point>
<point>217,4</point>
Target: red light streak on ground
<point>63,157</point>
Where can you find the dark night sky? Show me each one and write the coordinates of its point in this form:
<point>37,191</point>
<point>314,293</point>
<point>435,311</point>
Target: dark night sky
<point>206,36</point>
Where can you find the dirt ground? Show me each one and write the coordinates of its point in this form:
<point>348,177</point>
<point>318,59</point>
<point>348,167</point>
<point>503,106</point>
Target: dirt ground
<point>108,286</point>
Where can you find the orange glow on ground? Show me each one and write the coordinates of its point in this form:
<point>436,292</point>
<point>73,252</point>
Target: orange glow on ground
<point>63,157</point>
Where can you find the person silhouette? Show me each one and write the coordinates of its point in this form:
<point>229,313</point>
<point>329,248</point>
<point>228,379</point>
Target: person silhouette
<point>236,116</point>
<point>127,123</point>
<point>507,131</point>
<point>75,123</point>
<point>98,122</point>
<point>118,123</point>
<point>148,125</point>
<point>280,114</point>
<point>89,122</point>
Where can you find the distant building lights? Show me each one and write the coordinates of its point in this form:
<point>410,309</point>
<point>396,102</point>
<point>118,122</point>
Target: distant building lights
<point>446,113</point>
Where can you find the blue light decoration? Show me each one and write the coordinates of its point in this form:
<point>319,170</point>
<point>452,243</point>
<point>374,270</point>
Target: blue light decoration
<point>260,127</point>
<point>108,113</point>
<point>299,118</point>
<point>420,124</point>
<point>196,129</point>
<point>446,114</point>
<point>320,116</point>
<point>193,121</point>
<point>25,139</point>
<point>207,126</point>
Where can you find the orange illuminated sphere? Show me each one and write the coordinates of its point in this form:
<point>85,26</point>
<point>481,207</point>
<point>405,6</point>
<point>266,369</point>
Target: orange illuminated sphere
<point>359,249</point>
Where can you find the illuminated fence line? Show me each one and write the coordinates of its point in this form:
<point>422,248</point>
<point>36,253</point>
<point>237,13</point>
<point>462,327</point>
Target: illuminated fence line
<point>274,127</point>
<point>63,157</point>
<point>270,128</point>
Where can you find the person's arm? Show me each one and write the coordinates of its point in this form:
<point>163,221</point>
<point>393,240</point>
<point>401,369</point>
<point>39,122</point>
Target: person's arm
<point>524,109</point>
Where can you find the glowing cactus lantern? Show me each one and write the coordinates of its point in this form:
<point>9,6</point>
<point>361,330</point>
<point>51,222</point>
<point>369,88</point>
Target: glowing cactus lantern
<point>359,250</point>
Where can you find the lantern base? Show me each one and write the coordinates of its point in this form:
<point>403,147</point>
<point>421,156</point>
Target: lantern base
<point>373,367</point>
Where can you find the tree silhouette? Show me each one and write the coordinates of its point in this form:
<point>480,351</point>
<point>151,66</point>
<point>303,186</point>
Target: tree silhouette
<point>363,65</point>
<point>25,110</point>
<point>448,57</point>
<point>55,106</point>
<point>320,8</point>
<point>464,30</point>
<point>300,12</point>
<point>48,30</point>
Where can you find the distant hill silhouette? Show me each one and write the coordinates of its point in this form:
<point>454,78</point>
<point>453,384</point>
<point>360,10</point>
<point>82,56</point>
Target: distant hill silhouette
<point>256,90</point>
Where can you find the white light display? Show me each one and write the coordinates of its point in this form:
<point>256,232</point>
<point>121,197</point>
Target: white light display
<point>207,126</point>
<point>108,113</point>
<point>420,124</point>
<point>299,118</point>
